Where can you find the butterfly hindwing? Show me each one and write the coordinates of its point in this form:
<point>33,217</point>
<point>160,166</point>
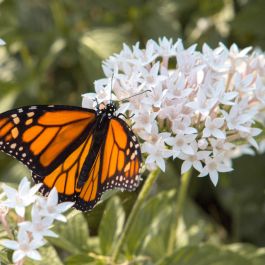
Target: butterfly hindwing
<point>42,137</point>
<point>117,165</point>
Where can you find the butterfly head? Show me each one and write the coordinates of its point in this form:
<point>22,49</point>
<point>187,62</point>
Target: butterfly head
<point>108,109</point>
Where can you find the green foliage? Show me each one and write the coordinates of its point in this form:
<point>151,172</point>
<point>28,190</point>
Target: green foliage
<point>73,236</point>
<point>111,225</point>
<point>53,55</point>
<point>214,255</point>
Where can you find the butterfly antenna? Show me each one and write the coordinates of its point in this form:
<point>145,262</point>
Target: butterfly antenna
<point>125,99</point>
<point>111,83</point>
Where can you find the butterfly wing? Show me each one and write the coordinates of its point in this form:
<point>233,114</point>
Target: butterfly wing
<point>117,165</point>
<point>41,137</point>
<point>55,142</point>
<point>65,177</point>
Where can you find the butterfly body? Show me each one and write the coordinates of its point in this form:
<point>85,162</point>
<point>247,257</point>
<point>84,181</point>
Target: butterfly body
<point>104,114</point>
<point>81,152</point>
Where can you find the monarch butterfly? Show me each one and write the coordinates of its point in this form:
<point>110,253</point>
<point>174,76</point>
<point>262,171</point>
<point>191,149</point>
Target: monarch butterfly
<point>82,152</point>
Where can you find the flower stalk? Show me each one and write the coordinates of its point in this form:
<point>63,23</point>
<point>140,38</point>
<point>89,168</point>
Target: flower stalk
<point>139,202</point>
<point>182,195</point>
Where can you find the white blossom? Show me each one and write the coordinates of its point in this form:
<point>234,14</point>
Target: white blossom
<point>195,160</point>
<point>201,103</point>
<point>31,233</point>
<point>21,198</point>
<point>51,208</point>
<point>213,128</point>
<point>213,165</point>
<point>182,126</point>
<point>156,153</point>
<point>200,106</point>
<point>24,246</point>
<point>181,143</point>
<point>39,225</point>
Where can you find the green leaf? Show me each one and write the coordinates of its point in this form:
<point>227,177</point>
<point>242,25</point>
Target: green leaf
<point>5,256</point>
<point>111,225</point>
<point>256,255</point>
<point>73,235</point>
<point>207,254</point>
<point>79,259</point>
<point>154,212</point>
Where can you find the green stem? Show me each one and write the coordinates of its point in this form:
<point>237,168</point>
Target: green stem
<point>139,202</point>
<point>182,194</point>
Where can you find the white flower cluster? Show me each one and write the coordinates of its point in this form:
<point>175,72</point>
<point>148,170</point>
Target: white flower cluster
<point>200,107</point>
<point>44,211</point>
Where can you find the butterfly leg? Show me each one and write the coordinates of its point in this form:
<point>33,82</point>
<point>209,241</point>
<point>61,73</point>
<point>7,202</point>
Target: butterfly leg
<point>126,117</point>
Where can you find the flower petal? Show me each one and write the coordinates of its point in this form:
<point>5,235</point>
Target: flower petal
<point>18,255</point>
<point>53,197</point>
<point>64,206</point>
<point>214,177</point>
<point>186,165</point>
<point>34,254</point>
<point>11,244</point>
<point>20,210</point>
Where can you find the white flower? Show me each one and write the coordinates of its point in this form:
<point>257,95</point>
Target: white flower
<point>176,86</point>
<point>243,83</point>
<point>212,128</point>
<point>156,97</point>
<point>145,56</point>
<point>215,58</point>
<point>181,143</point>
<point>39,226</point>
<point>260,90</point>
<point>2,42</point>
<point>237,118</point>
<point>220,145</point>
<point>24,246</point>
<point>213,165</point>
<point>202,144</point>
<point>88,100</point>
<point>250,136</point>
<point>218,91</point>
<point>194,160</point>
<point>156,154</point>
<point>201,104</point>
<point>235,53</point>
<point>144,119</point>
<point>151,78</point>
<point>165,47</point>
<point>21,198</point>
<point>154,135</point>
<point>213,97</point>
<point>182,126</point>
<point>50,207</point>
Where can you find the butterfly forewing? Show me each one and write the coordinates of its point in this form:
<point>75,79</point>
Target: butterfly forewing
<point>43,136</point>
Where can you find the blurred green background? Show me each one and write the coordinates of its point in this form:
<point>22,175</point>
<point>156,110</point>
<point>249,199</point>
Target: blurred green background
<point>53,55</point>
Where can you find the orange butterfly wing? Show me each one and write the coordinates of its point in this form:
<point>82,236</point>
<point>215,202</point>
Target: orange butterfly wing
<point>42,137</point>
<point>55,142</point>
<point>117,165</point>
<point>66,175</point>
